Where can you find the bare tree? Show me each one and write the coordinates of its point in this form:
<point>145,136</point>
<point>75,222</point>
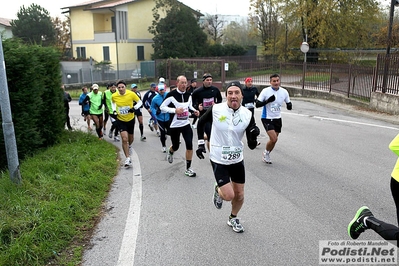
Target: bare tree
<point>213,26</point>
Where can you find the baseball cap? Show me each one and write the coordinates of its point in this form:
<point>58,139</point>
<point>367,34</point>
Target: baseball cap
<point>248,79</point>
<point>94,86</point>
<point>161,86</point>
<point>153,85</point>
<point>193,80</point>
<point>161,80</point>
<point>133,86</point>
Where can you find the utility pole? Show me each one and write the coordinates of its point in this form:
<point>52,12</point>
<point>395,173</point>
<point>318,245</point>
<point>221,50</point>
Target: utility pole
<point>394,3</point>
<point>8,126</point>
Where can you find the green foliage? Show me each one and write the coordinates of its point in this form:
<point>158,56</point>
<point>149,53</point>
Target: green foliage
<point>181,67</point>
<point>323,23</point>
<point>34,26</point>
<point>233,69</point>
<point>33,77</point>
<point>61,194</point>
<point>226,50</point>
<point>178,34</point>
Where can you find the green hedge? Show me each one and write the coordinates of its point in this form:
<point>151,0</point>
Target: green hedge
<point>34,85</point>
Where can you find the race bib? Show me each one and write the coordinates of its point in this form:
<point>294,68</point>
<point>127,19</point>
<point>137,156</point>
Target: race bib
<point>231,153</point>
<point>275,107</point>
<point>184,115</point>
<point>207,102</point>
<point>124,110</point>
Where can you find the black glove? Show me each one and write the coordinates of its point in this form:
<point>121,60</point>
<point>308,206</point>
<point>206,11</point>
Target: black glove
<point>131,110</point>
<point>158,112</point>
<point>201,149</point>
<point>260,104</point>
<point>101,106</point>
<point>114,115</point>
<point>289,106</point>
<point>254,133</point>
<point>252,144</point>
<point>271,99</point>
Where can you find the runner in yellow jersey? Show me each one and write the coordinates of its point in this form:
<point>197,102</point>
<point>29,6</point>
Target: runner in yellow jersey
<point>364,218</point>
<point>123,110</point>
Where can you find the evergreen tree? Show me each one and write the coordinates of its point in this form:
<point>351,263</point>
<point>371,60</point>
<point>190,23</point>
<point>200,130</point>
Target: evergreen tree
<point>34,26</point>
<point>178,34</point>
<point>36,97</point>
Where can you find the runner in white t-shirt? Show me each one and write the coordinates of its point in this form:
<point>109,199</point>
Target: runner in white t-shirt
<point>272,98</point>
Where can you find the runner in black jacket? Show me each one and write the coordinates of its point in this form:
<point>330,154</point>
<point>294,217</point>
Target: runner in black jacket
<point>204,97</point>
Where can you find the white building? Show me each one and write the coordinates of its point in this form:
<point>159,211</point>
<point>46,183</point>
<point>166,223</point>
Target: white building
<point>5,28</point>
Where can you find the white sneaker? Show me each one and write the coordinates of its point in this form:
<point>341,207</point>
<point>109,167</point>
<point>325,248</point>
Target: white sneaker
<point>130,149</point>
<point>116,138</point>
<point>158,134</point>
<point>235,224</point>
<point>128,162</point>
<point>163,149</point>
<point>266,157</point>
<point>190,172</point>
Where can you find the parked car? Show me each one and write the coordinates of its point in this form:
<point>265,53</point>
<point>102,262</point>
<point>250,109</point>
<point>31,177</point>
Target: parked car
<point>136,74</point>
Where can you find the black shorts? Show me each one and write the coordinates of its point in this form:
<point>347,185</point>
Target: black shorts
<point>86,113</point>
<point>208,129</point>
<point>138,112</point>
<point>224,173</point>
<point>187,134</point>
<point>126,126</point>
<point>98,115</point>
<point>272,124</point>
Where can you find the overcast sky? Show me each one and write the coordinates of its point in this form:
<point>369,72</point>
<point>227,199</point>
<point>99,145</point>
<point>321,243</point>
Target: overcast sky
<point>225,7</point>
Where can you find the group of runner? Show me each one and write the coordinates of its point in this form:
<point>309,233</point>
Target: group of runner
<point>221,125</point>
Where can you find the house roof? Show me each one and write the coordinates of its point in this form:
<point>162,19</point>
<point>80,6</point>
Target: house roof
<point>5,22</point>
<point>99,4</point>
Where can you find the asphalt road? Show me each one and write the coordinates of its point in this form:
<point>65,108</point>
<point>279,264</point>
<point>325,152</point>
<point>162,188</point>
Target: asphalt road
<point>330,159</point>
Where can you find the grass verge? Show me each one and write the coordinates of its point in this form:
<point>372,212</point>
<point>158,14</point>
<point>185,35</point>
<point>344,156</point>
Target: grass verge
<point>48,218</point>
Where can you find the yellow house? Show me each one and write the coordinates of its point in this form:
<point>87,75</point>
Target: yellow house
<point>114,31</point>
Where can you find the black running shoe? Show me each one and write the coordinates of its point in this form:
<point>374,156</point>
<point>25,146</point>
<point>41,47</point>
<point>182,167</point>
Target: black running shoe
<point>357,226</point>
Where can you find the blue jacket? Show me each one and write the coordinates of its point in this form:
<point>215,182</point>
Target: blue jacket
<point>86,105</point>
<point>155,104</point>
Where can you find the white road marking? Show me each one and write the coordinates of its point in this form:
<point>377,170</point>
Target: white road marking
<point>128,247</point>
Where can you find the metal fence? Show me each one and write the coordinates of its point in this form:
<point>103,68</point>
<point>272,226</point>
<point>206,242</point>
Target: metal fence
<point>387,74</point>
<point>84,73</point>
<point>350,80</point>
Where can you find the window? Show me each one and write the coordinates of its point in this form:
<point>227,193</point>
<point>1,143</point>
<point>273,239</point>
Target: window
<point>140,53</point>
<point>81,52</point>
<point>106,53</point>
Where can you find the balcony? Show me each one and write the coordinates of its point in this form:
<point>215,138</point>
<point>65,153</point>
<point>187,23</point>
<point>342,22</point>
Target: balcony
<point>104,36</point>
